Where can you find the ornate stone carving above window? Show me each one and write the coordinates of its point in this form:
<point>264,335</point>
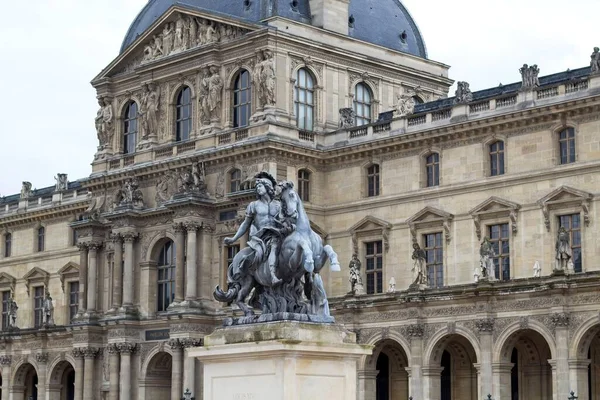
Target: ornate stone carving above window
<point>430,217</point>
<point>494,208</point>
<point>566,197</point>
<point>69,272</point>
<point>7,282</point>
<point>371,226</point>
<point>36,276</point>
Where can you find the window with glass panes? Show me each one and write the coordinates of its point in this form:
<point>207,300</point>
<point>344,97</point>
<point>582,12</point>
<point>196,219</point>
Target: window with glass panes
<point>432,165</point>
<point>130,127</point>
<point>497,158</point>
<point>373,180</point>
<point>231,252</point>
<point>362,104</point>
<point>304,184</point>
<point>166,276</point>
<point>38,306</point>
<point>7,244</point>
<point>304,99</point>
<point>499,238</point>
<point>41,238</point>
<point>434,251</point>
<point>235,180</point>
<point>242,99</point>
<point>572,224</point>
<point>183,122</point>
<point>374,267</point>
<point>566,144</point>
<point>5,309</point>
<point>73,299</point>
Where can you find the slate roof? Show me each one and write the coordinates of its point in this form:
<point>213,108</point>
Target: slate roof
<point>381,22</point>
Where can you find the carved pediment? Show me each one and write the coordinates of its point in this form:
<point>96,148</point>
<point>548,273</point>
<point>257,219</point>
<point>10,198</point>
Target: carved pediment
<point>178,30</point>
<point>566,197</point>
<point>7,282</point>
<point>367,225</point>
<point>430,216</point>
<point>495,207</point>
<point>69,271</point>
<point>34,276</point>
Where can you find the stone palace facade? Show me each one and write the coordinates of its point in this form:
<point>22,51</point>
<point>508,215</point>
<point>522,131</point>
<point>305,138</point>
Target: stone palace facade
<point>474,219</point>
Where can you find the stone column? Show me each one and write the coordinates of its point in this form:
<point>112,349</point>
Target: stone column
<point>92,281</point>
<point>78,354</point>
<point>191,264</point>
<point>579,377</point>
<point>126,350</point>
<point>486,330</point>
<point>179,261</point>
<point>189,364</point>
<point>42,360</point>
<point>367,385</point>
<point>415,385</point>
<point>128,288</point>
<point>501,380</point>
<point>205,264</point>
<point>117,295</point>
<point>176,370</point>
<point>83,266</point>
<point>432,382</point>
<point>90,354</point>
<point>113,390</point>
<point>561,333</point>
<point>5,362</point>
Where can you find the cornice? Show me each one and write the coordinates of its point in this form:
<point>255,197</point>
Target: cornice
<point>46,214</point>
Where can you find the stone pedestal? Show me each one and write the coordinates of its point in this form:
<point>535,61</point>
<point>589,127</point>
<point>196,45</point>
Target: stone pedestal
<point>280,361</point>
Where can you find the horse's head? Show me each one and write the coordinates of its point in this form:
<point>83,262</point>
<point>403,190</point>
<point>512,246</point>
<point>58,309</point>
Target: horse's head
<point>290,202</point>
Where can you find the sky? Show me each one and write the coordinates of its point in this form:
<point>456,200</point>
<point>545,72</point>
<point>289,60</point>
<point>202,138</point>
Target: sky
<point>51,52</point>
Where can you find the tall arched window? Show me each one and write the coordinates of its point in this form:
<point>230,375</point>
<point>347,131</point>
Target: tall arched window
<point>235,180</point>
<point>41,238</point>
<point>242,99</point>
<point>304,184</point>
<point>166,276</point>
<point>432,166</point>
<point>7,245</point>
<point>184,114</point>
<point>373,180</point>
<point>130,128</point>
<point>304,99</point>
<point>362,104</point>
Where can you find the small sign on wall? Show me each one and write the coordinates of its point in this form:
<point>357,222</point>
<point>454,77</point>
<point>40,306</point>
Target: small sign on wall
<point>157,334</point>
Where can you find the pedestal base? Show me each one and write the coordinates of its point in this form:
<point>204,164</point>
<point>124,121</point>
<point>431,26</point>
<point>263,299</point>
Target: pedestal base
<point>280,361</point>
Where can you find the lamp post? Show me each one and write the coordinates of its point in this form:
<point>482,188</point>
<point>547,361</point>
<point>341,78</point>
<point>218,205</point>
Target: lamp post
<point>187,395</point>
<point>572,396</point>
<point>489,397</point>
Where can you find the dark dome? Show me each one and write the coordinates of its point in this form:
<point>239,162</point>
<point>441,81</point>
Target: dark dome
<point>396,28</point>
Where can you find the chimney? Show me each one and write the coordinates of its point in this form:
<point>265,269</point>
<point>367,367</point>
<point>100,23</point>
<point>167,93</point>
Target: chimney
<point>330,14</point>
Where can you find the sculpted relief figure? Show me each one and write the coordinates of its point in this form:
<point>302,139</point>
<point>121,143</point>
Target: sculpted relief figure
<point>62,182</point>
<point>48,309</point>
<point>180,37</point>
<point>25,190</point>
<point>463,93</point>
<point>12,313</point>
<point>282,259</point>
<point>537,269</point>
<point>104,123</point>
<point>419,264</point>
<point>215,93</point>
<point>149,110</point>
<point>130,194</point>
<point>529,76</point>
<point>203,97</point>
<point>595,61</point>
<point>265,79</point>
<point>405,104</point>
<point>563,250</point>
<point>347,118</point>
<point>486,261</point>
<point>356,285</point>
<point>192,181</point>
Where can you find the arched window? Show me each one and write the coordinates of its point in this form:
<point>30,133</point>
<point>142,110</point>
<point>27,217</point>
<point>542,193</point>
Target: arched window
<point>41,238</point>
<point>432,166</point>
<point>130,128</point>
<point>242,99</point>
<point>166,276</point>
<point>235,180</point>
<point>373,180</point>
<point>497,158</point>
<point>7,245</point>
<point>304,184</point>
<point>362,104</point>
<point>184,114</point>
<point>566,146</point>
<point>304,99</point>
<point>418,100</point>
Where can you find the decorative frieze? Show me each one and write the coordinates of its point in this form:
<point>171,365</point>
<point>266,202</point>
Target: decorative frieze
<point>41,358</point>
<point>415,331</point>
<point>127,347</point>
<point>190,342</point>
<point>560,320</point>
<point>485,325</point>
<point>5,360</point>
<point>91,352</point>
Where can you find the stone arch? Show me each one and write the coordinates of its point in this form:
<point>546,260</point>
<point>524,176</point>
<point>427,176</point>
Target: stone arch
<point>21,370</point>
<point>438,342</point>
<point>58,367</point>
<point>159,348</point>
<point>156,375</point>
<point>391,338</point>
<point>156,243</point>
<point>230,79</point>
<point>180,85</point>
<point>503,343</point>
<point>582,338</point>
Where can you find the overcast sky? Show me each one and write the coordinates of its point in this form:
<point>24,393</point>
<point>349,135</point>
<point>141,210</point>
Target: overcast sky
<point>51,49</point>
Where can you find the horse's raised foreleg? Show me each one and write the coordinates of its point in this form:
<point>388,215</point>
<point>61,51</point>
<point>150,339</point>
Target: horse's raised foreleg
<point>309,259</point>
<point>334,264</point>
<point>247,286</point>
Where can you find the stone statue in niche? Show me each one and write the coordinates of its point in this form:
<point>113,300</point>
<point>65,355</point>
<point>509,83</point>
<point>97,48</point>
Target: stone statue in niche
<point>281,262</point>
<point>166,187</point>
<point>405,104</point>
<point>265,79</point>
<point>130,195</point>
<point>62,182</point>
<point>529,76</point>
<point>26,190</point>
<point>192,181</point>
<point>595,61</point>
<point>12,313</point>
<point>486,260</point>
<point>392,285</point>
<point>215,93</point>
<point>463,93</point>
<point>347,118</point>
<point>356,285</point>
<point>48,309</point>
<point>104,122</point>
<point>537,269</point>
<point>563,250</point>
<point>419,264</point>
<point>203,99</point>
<point>149,110</point>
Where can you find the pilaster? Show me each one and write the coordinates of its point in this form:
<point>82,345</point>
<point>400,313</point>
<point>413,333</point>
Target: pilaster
<point>5,364</point>
<point>78,354</point>
<point>42,360</point>
<point>114,365</point>
<point>89,354</point>
<point>176,369</point>
<point>117,295</point>
<point>415,333</point>
<point>126,349</point>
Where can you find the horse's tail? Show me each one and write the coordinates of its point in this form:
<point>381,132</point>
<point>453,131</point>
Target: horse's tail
<point>226,297</point>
